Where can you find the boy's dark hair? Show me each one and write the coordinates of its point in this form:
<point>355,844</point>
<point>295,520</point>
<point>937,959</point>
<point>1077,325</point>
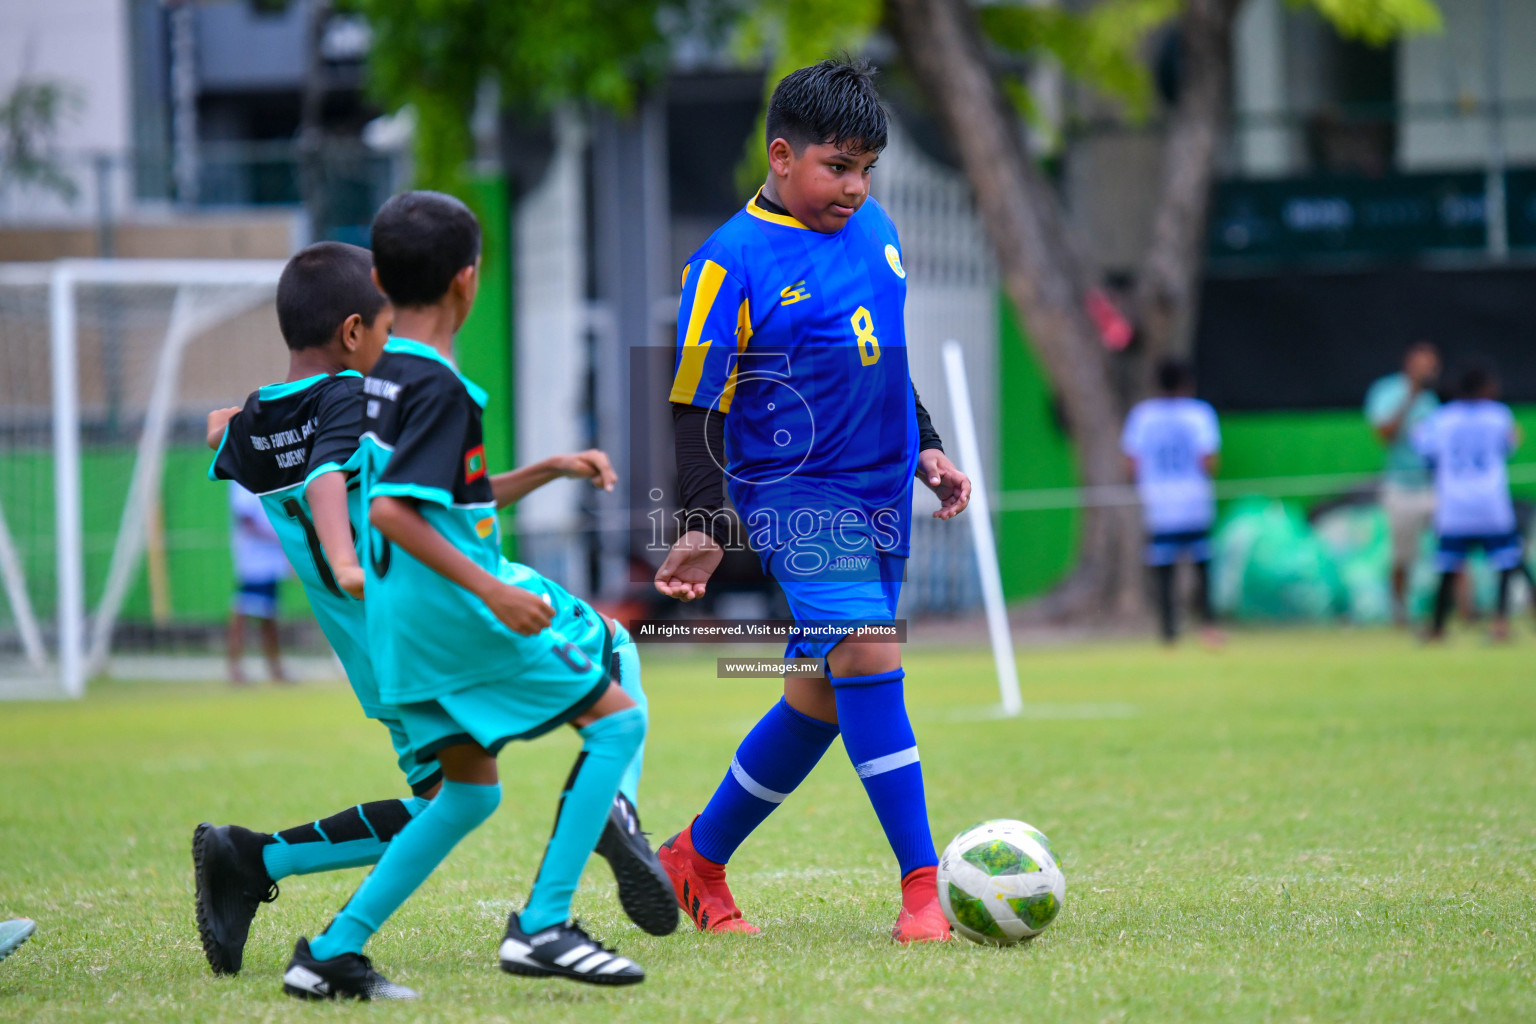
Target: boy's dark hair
<point>1477,380</point>
<point>833,101</point>
<point>420,241</point>
<point>1174,375</point>
<point>320,287</point>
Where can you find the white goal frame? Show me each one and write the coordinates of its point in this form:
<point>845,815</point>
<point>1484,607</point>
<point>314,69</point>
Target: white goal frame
<point>80,655</point>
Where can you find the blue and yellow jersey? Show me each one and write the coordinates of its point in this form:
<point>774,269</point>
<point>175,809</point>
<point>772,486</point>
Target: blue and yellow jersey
<point>286,436</point>
<point>798,338</point>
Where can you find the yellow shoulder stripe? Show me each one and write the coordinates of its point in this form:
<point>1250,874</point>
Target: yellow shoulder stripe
<point>743,335</point>
<point>690,367</point>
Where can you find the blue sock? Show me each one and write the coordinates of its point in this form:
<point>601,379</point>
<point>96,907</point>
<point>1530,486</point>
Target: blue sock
<point>629,679</point>
<point>879,740</point>
<point>357,836</point>
<point>611,743</point>
<point>410,857</point>
<point>776,756</point>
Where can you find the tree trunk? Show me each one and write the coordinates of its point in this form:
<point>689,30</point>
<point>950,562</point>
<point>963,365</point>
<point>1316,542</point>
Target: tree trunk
<point>1167,284</point>
<point>1044,276</point>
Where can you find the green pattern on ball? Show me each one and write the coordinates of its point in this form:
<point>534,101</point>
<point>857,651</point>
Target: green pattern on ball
<point>1000,858</point>
<point>972,914</point>
<point>1036,911</point>
<point>1039,837</point>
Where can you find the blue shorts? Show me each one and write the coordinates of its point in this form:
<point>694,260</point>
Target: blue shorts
<point>1169,548</point>
<point>1503,551</point>
<point>257,600</point>
<point>543,694</point>
<point>834,600</point>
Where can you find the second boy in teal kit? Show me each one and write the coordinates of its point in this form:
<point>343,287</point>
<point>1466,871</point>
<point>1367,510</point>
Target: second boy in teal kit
<point>468,660</point>
<point>293,443</point>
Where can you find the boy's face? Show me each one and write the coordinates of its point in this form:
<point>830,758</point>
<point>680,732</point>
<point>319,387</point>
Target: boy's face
<point>824,184</point>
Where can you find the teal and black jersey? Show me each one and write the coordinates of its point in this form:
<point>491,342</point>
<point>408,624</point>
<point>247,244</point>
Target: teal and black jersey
<point>286,436</point>
<point>422,440</point>
<point>798,339</point>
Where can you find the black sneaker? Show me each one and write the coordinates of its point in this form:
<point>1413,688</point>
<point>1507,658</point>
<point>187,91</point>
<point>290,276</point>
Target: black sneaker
<point>349,976</point>
<point>565,951</point>
<point>232,882</point>
<point>645,891</point>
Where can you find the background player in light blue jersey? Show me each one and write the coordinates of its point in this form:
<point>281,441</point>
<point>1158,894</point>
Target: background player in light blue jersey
<point>293,441</point>
<point>791,374</point>
<point>1172,443</point>
<point>467,658</point>
<point>1467,444</point>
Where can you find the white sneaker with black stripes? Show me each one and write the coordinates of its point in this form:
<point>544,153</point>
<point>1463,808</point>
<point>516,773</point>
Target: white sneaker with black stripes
<point>565,951</point>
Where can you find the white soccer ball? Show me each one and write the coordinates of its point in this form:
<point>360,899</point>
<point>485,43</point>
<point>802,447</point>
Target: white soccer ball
<point>1000,882</point>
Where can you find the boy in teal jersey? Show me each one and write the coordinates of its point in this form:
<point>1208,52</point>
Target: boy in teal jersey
<point>469,660</point>
<point>791,361</point>
<point>294,442</point>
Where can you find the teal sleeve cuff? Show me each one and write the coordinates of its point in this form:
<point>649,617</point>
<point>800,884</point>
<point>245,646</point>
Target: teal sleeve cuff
<point>436,495</point>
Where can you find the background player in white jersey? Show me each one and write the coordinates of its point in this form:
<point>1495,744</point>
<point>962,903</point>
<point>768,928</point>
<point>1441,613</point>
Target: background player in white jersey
<point>260,566</point>
<point>1466,445</point>
<point>1172,443</point>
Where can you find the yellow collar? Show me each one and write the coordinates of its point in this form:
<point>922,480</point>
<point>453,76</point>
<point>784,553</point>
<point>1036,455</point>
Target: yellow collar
<point>770,217</point>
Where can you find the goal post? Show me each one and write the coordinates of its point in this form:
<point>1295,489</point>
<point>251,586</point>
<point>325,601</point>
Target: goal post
<point>116,337</point>
<point>981,530</point>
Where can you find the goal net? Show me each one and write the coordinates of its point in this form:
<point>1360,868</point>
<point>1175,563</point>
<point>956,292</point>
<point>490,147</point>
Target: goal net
<point>109,533</point>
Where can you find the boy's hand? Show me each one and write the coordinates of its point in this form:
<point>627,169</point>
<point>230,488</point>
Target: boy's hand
<point>520,610</point>
<point>591,464</point>
<point>690,563</point>
<point>944,479</point>
<point>350,579</point>
<point>217,421</point>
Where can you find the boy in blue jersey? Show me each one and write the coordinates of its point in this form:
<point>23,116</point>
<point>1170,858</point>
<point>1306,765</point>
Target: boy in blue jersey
<point>791,381</point>
<point>1466,444</point>
<point>464,653</point>
<point>294,442</point>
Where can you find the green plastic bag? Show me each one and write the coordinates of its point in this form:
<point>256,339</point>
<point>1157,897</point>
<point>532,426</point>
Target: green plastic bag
<point>1270,566</point>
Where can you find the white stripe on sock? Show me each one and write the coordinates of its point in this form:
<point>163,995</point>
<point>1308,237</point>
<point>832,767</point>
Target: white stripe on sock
<point>754,787</point>
<point>570,956</point>
<point>888,763</point>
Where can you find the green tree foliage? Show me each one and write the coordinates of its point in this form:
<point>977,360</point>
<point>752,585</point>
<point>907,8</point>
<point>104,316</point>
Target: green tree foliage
<point>434,55</point>
<point>30,117</point>
<point>1102,46</point>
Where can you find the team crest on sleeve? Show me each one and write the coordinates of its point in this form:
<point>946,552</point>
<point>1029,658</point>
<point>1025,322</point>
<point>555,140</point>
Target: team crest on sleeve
<point>474,464</point>
<point>894,259</point>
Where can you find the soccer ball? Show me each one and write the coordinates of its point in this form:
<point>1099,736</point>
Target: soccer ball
<point>1000,882</point>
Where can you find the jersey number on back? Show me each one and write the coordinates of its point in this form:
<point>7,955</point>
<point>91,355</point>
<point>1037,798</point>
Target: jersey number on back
<point>312,541</point>
<point>864,333</point>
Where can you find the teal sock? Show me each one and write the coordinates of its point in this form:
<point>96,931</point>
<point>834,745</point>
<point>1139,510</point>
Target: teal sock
<point>629,680</point>
<point>357,836</point>
<point>610,746</point>
<point>410,857</point>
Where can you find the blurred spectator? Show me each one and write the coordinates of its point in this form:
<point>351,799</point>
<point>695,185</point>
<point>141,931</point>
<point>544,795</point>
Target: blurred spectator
<point>1395,406</point>
<point>1171,443</point>
<point>259,566</point>
<point>1467,444</point>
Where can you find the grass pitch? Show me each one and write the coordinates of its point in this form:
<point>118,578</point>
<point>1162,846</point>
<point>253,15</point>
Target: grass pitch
<point>1305,826</point>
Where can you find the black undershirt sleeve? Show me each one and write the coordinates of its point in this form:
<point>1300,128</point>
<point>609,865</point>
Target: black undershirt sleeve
<point>700,479</point>
<point>927,437</point>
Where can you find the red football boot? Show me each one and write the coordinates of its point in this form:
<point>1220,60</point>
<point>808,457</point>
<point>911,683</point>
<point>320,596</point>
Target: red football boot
<point>921,918</point>
<point>700,887</point>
